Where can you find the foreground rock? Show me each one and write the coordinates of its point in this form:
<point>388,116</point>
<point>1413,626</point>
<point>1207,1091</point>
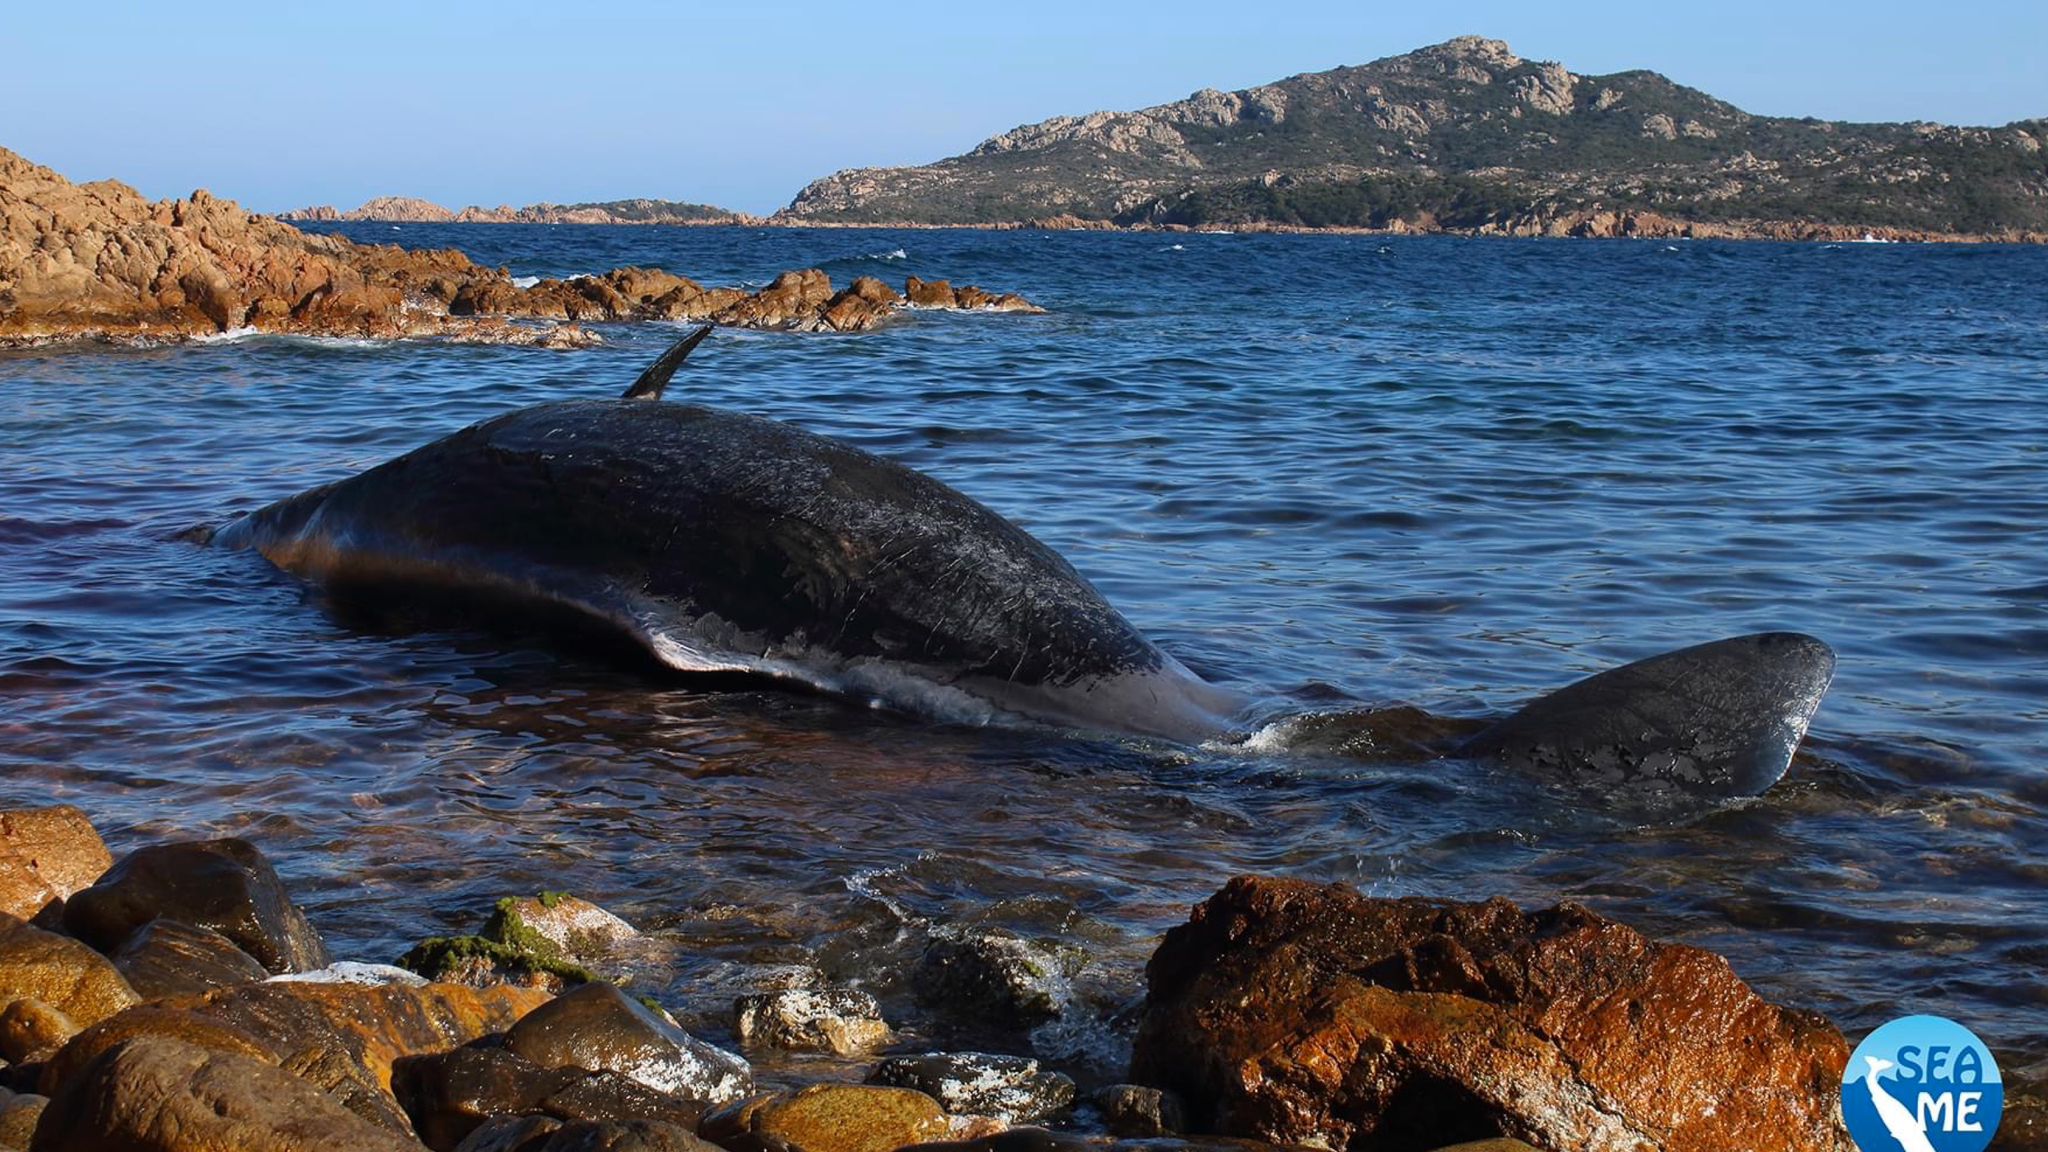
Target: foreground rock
<point>842,1021</point>
<point>59,973</point>
<point>156,1094</point>
<point>279,1022</point>
<point>829,1118</point>
<point>1292,1012</point>
<point>99,261</point>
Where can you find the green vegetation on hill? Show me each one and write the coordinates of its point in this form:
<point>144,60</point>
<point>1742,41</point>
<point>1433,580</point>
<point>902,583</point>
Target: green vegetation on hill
<point>1466,135</point>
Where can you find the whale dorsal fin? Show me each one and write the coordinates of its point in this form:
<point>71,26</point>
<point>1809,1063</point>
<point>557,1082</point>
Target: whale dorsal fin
<point>1722,718</point>
<point>651,382</point>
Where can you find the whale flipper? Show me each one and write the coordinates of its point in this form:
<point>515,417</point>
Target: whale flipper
<point>1721,718</point>
<point>652,382</point>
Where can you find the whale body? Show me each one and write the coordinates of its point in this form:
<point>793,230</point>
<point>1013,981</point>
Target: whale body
<point>721,542</point>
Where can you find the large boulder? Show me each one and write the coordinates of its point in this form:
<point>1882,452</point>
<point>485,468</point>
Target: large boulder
<point>225,885</point>
<point>46,854</point>
<point>451,1094</point>
<point>156,1094</point>
<point>1292,1012</point>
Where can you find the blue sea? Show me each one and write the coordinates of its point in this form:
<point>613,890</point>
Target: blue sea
<point>1333,472</point>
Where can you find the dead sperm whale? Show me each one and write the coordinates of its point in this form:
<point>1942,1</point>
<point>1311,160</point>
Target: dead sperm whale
<point>728,543</point>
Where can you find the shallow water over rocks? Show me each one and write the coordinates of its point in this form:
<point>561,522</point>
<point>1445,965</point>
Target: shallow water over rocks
<point>1329,472</point>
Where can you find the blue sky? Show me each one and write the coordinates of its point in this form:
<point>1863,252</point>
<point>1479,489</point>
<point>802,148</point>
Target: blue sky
<point>280,105</point>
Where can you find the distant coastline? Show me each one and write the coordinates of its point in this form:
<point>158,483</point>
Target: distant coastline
<point>414,210</point>
<point>1593,224</point>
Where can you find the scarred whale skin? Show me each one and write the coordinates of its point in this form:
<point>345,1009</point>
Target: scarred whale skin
<point>732,543</point>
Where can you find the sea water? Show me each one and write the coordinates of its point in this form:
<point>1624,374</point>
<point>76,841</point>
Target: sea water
<point>1330,472</point>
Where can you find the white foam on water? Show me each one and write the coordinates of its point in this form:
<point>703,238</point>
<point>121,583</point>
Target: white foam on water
<point>525,281</point>
<point>231,336</point>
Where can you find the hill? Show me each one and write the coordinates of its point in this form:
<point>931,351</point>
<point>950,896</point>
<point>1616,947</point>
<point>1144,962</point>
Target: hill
<point>1466,135</point>
<point>411,210</point>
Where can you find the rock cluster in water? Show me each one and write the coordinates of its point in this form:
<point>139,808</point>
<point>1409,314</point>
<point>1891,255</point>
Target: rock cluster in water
<point>176,1000</point>
<point>98,261</point>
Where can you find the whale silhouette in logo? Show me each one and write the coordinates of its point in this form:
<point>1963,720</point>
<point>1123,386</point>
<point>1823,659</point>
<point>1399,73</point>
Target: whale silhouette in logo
<point>1897,1118</point>
<point>727,543</point>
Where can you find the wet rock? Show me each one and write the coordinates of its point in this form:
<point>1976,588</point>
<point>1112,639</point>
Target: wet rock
<point>1295,1012</point>
<point>996,977</point>
<point>829,1118</point>
<point>169,1021</point>
<point>510,1134</point>
<point>602,1096</point>
<point>842,1021</point>
<point>929,293</point>
<point>46,854</point>
<point>544,1134</point>
<point>273,1021</point>
<point>32,1031</point>
<point>579,930</point>
<point>19,1113</point>
<point>791,300</point>
<point>61,972</point>
<point>1042,1140</point>
<point>225,885</point>
<point>551,941</point>
<point>1013,1089</point>
<point>450,1094</point>
<point>1497,1144</point>
<point>155,1094</point>
<point>171,958</point>
<point>333,1072</point>
<point>599,1028</point>
<point>1135,1110</point>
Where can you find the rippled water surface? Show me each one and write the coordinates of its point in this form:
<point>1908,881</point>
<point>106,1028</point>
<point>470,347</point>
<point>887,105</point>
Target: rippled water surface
<point>1331,472</point>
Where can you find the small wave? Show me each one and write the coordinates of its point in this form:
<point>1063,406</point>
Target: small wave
<point>891,254</point>
<point>1174,248</point>
<point>525,281</point>
<point>231,336</point>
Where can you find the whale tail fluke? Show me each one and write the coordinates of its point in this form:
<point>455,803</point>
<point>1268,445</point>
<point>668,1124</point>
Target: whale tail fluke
<point>1717,719</point>
<point>654,381</point>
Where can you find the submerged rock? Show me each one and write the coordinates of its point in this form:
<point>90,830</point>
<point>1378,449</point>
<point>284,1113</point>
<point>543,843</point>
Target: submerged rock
<point>842,1021</point>
<point>1013,1089</point>
<point>599,1028</point>
<point>225,885</point>
<point>996,978</point>
<point>46,854</point>
<point>1294,1012</point>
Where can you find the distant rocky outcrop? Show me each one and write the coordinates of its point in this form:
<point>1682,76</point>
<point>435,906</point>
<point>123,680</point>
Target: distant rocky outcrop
<point>412,210</point>
<point>98,261</point>
<point>1467,136</point>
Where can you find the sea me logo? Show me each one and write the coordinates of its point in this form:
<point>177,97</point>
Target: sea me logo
<point>1922,1084</point>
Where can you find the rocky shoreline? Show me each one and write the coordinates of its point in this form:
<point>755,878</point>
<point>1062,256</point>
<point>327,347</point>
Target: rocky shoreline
<point>99,262</point>
<point>1578,225</point>
<point>177,1000</point>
